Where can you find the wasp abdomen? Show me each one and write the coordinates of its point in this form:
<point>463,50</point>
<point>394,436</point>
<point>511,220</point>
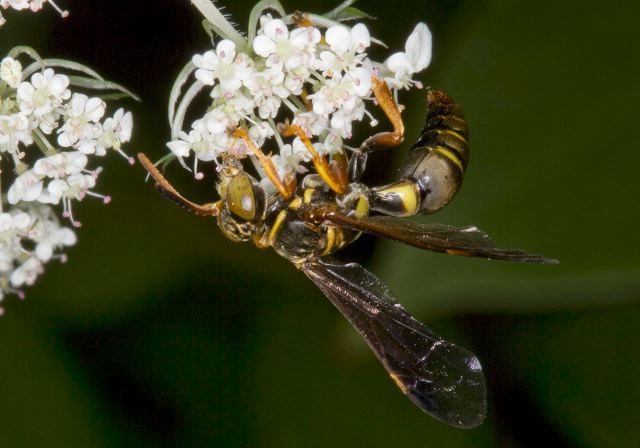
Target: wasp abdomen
<point>432,172</point>
<point>437,161</point>
<point>445,127</point>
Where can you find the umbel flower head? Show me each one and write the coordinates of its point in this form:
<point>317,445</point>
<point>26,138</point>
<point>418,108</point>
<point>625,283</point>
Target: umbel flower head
<point>307,70</point>
<point>52,135</point>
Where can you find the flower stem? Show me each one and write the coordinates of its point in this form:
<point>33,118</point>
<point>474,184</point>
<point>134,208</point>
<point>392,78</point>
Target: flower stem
<point>41,141</point>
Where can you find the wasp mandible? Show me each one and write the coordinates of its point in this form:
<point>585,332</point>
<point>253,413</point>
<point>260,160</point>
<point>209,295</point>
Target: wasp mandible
<point>306,222</point>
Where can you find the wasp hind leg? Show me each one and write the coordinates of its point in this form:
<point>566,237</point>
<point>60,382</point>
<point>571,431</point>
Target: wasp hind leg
<point>382,140</point>
<point>166,189</point>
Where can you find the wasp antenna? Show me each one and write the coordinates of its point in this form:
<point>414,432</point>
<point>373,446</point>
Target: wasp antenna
<point>168,192</point>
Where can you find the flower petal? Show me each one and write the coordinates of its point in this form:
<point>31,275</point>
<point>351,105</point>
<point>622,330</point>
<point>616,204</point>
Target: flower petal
<point>275,29</point>
<point>226,51</point>
<point>399,63</point>
<point>339,38</point>
<point>418,47</point>
<point>360,38</point>
<point>179,147</point>
<point>263,46</point>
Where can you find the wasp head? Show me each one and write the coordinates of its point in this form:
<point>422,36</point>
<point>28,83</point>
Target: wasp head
<point>243,203</point>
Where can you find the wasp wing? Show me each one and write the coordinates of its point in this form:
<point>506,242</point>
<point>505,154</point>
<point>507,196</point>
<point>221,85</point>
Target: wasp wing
<point>441,378</point>
<point>468,241</point>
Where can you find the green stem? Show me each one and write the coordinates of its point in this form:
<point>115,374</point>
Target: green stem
<point>41,141</point>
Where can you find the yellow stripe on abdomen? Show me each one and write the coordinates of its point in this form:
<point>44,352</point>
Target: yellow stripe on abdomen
<point>450,155</point>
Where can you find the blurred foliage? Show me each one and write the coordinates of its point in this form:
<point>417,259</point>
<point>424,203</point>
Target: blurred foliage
<point>160,332</point>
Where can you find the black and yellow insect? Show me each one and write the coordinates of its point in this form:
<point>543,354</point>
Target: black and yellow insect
<point>307,222</point>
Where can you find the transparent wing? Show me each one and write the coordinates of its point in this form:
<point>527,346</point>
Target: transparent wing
<point>441,378</point>
<point>469,241</point>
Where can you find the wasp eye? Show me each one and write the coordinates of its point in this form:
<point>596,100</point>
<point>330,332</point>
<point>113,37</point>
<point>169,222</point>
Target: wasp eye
<point>240,198</point>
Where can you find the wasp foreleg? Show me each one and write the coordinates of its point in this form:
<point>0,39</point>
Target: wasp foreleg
<point>334,174</point>
<point>287,186</point>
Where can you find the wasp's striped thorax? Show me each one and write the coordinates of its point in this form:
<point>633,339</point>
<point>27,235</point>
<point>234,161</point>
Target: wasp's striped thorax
<point>297,239</point>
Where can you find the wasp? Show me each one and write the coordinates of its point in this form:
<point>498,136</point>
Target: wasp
<point>308,221</point>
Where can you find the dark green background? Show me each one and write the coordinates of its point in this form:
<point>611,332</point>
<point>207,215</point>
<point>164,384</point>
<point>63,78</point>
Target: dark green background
<point>160,332</point>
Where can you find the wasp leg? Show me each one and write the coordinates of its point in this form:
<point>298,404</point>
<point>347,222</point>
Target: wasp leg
<point>285,187</point>
<point>335,175</point>
<point>382,140</point>
<point>166,189</point>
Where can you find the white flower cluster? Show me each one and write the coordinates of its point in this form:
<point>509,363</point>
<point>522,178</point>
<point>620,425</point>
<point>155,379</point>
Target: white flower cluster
<point>29,235</point>
<point>316,76</point>
<point>32,5</point>
<point>34,111</point>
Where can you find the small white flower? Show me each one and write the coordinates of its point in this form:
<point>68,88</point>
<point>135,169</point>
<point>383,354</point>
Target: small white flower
<point>121,126</point>
<point>343,118</point>
<point>14,129</point>
<point>260,132</point>
<point>11,72</point>
<point>311,123</point>
<point>182,146</point>
<point>283,49</point>
<point>15,4</point>
<point>268,107</point>
<point>44,93</point>
<point>347,49</point>
<point>222,65</point>
<point>36,5</point>
<point>342,92</point>
<point>332,144</point>
<point>205,144</point>
<point>47,123</point>
<point>236,108</point>
<point>13,222</point>
<point>116,130</point>
<point>342,39</point>
<point>26,187</point>
<point>289,158</point>
<point>295,79</point>
<point>60,165</point>
<point>81,122</point>
<point>414,59</point>
<point>49,235</point>
<point>27,272</point>
<point>361,79</point>
<point>266,89</point>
